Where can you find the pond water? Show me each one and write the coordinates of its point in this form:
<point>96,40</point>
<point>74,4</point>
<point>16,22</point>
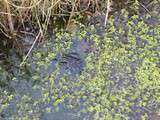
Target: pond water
<point>97,73</point>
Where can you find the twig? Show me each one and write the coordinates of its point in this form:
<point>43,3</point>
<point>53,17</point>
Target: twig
<point>145,8</point>
<point>107,12</point>
<point>3,30</point>
<point>71,15</point>
<point>5,13</point>
<point>39,34</point>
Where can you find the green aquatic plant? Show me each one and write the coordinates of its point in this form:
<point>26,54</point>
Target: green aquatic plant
<point>120,79</point>
<point>144,76</point>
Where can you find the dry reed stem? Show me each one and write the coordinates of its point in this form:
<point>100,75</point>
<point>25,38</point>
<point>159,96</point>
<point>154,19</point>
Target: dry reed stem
<point>49,10</point>
<point>22,14</point>
<point>45,9</point>
<point>4,31</point>
<point>39,24</point>
<point>29,7</point>
<point>71,15</point>
<point>9,17</point>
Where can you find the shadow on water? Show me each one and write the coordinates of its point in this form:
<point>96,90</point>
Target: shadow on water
<point>73,61</point>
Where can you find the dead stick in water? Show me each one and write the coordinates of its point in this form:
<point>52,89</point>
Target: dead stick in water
<point>37,37</point>
<point>107,12</point>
